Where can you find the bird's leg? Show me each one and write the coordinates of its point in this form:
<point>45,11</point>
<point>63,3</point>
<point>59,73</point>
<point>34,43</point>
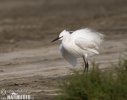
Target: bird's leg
<point>86,64</point>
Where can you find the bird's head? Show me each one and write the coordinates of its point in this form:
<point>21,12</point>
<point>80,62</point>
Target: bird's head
<point>62,34</point>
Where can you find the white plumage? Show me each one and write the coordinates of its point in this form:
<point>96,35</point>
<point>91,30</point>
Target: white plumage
<point>80,43</point>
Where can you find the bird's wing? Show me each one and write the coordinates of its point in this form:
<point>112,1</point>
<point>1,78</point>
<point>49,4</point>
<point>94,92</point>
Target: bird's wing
<point>69,57</point>
<point>88,35</point>
<point>87,45</point>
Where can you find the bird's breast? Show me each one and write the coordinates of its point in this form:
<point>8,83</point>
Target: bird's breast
<point>72,49</point>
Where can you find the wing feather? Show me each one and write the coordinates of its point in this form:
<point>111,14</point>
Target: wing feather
<point>89,35</point>
<point>87,45</point>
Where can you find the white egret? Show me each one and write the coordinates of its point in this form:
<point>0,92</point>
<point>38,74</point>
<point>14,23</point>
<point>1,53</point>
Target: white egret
<point>80,43</point>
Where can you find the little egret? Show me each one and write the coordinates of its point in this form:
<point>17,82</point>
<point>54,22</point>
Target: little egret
<point>80,43</point>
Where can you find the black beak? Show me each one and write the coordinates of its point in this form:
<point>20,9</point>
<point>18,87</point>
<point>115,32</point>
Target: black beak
<point>55,39</point>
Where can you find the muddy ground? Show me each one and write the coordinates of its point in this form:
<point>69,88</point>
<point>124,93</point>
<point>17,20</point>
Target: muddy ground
<point>29,61</point>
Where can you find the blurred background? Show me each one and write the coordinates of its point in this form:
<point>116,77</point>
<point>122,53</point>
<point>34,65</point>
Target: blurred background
<point>28,59</point>
<point>36,22</point>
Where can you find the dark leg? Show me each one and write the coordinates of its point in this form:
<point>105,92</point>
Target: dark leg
<point>86,64</point>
